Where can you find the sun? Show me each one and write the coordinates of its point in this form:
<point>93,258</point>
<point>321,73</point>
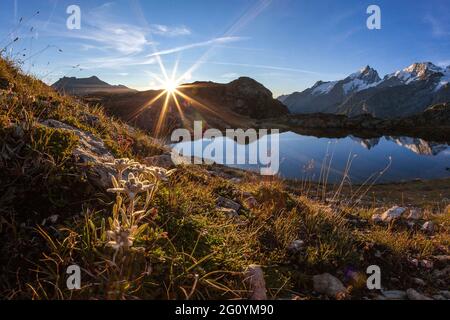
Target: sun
<point>170,85</point>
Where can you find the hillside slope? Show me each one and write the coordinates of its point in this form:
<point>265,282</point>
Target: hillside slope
<point>140,231</point>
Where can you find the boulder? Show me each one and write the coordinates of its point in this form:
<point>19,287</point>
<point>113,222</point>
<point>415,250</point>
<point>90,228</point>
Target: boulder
<point>328,285</point>
<point>393,213</point>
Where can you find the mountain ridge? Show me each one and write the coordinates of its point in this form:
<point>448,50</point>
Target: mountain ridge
<point>400,94</point>
<point>85,86</point>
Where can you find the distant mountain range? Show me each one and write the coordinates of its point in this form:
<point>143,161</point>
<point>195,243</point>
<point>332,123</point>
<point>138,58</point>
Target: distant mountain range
<point>85,86</point>
<point>400,94</point>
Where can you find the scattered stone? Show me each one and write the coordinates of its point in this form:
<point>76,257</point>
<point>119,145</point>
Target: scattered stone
<point>414,295</point>
<point>445,293</point>
<point>90,154</point>
<point>328,285</point>
<point>394,295</point>
<point>427,264</point>
<point>393,213</point>
<point>231,213</point>
<point>227,203</point>
<point>251,202</point>
<point>419,282</point>
<point>414,262</point>
<point>428,226</point>
<point>255,278</point>
<point>441,273</point>
<point>415,214</point>
<point>236,180</point>
<point>296,246</point>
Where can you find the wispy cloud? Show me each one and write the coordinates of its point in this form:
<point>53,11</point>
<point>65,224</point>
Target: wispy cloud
<point>117,62</point>
<point>268,67</point>
<point>124,38</point>
<point>438,28</point>
<point>100,31</point>
<point>209,43</point>
<point>163,30</point>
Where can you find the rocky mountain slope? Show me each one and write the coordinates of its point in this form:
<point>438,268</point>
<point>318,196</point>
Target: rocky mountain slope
<point>84,86</point>
<point>400,94</point>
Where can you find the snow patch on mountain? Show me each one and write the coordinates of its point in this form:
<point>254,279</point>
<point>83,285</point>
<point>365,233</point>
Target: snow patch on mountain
<point>357,85</point>
<point>324,87</point>
<point>444,80</point>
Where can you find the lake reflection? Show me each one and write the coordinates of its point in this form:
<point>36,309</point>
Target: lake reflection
<point>302,157</point>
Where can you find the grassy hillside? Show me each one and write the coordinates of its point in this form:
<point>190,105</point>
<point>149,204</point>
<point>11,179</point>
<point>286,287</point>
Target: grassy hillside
<point>191,233</point>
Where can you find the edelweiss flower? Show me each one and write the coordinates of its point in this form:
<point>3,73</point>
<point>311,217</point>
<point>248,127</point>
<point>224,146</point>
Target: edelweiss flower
<point>160,173</point>
<point>120,238</point>
<point>132,187</point>
<point>122,164</point>
<point>139,168</point>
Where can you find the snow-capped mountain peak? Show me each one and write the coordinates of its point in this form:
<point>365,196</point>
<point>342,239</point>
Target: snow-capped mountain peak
<point>416,72</point>
<point>399,94</point>
<point>361,80</point>
<point>367,73</point>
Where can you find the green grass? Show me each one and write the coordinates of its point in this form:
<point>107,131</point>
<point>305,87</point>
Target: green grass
<point>184,247</point>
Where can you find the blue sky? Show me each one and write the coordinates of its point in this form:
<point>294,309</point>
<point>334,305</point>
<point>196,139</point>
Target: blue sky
<point>287,45</point>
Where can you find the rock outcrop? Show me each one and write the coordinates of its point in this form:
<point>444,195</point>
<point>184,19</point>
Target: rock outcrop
<point>90,154</point>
